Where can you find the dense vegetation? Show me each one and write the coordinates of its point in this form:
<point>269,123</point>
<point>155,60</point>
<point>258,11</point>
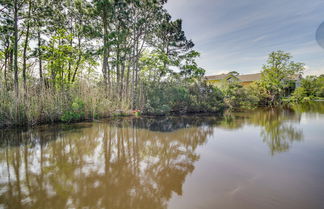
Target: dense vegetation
<point>67,60</point>
<point>281,82</point>
<point>279,78</point>
<point>311,87</point>
<point>70,60</point>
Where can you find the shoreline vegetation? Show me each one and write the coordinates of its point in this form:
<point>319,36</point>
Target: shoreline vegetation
<point>70,61</point>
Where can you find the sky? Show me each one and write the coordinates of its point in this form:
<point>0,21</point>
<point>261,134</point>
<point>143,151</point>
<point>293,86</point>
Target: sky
<point>239,34</point>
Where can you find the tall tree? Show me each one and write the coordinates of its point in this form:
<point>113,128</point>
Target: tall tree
<point>277,73</point>
<point>26,42</point>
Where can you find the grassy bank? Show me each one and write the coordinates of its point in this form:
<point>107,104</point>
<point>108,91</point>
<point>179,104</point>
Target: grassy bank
<point>43,105</point>
<point>84,101</point>
<point>90,101</point>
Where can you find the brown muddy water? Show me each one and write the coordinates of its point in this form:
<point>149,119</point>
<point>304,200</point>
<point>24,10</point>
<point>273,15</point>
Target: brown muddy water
<point>261,159</point>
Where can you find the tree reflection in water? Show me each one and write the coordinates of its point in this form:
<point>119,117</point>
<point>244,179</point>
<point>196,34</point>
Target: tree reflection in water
<point>124,163</point>
<point>277,126</point>
<point>120,165</point>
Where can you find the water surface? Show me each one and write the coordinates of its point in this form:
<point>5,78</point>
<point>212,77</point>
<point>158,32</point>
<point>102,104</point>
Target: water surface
<point>265,158</point>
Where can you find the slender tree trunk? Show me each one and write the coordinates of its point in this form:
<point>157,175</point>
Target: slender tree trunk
<point>79,60</point>
<point>118,68</point>
<point>25,49</point>
<point>1,79</point>
<point>16,47</point>
<point>136,75</point>
<point>6,67</point>
<point>127,83</point>
<point>40,57</point>
<point>133,86</point>
<point>105,51</point>
<point>122,80</point>
<point>70,64</point>
<point>10,65</point>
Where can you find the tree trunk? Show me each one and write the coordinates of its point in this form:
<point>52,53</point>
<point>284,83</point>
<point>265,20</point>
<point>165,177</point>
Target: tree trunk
<point>70,64</point>
<point>105,50</point>
<point>118,68</point>
<point>25,49</point>
<point>6,66</point>
<point>127,83</point>
<point>122,75</point>
<point>136,74</point>
<point>16,47</point>
<point>40,57</point>
<point>10,65</point>
<point>79,60</point>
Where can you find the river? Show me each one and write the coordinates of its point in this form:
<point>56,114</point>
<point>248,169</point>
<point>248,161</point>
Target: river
<point>259,159</point>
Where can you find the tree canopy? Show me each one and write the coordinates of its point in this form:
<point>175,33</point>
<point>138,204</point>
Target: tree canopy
<point>277,74</point>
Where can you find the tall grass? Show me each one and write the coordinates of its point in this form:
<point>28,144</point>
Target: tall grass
<point>88,101</point>
<point>47,105</point>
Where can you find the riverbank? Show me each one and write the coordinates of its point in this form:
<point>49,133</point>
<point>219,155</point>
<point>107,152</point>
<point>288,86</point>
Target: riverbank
<point>90,101</point>
<point>137,115</point>
<point>116,115</point>
<point>78,114</point>
<point>85,101</point>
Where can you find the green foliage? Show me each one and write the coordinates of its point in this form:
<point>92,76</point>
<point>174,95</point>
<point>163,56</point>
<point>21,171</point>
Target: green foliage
<point>310,88</point>
<point>256,91</point>
<point>182,97</point>
<point>320,86</point>
<point>48,106</point>
<point>299,94</point>
<point>277,73</point>
<point>61,56</point>
<point>158,102</point>
<point>206,98</point>
<point>237,96</point>
<point>320,92</point>
<point>147,64</point>
<point>189,67</point>
<point>310,85</point>
<point>75,112</point>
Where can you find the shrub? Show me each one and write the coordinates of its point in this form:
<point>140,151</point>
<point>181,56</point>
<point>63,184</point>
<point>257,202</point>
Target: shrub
<point>182,97</point>
<point>238,97</point>
<point>205,98</point>
<point>75,112</point>
<point>258,95</point>
<point>320,92</point>
<point>311,87</point>
<point>157,102</point>
<point>298,95</point>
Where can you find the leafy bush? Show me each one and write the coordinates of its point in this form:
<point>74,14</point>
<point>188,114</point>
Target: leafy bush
<point>299,94</point>
<point>205,98</point>
<point>75,112</point>
<point>157,102</point>
<point>320,92</point>
<point>311,87</point>
<point>182,97</point>
<point>238,97</point>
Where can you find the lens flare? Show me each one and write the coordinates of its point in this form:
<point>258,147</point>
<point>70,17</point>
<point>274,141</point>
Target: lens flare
<point>320,35</point>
